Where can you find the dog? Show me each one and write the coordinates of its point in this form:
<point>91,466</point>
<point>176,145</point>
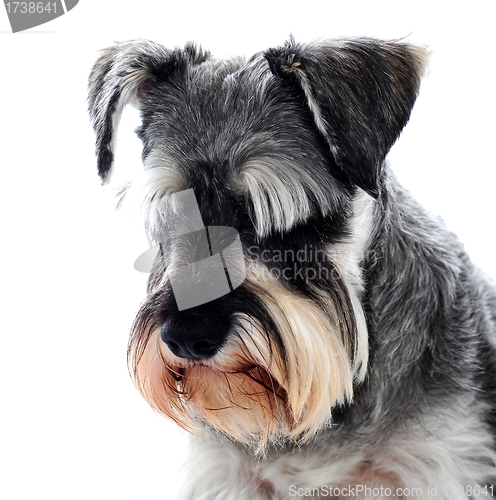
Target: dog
<point>356,355</point>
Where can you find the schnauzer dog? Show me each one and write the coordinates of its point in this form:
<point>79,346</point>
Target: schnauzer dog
<point>355,354</point>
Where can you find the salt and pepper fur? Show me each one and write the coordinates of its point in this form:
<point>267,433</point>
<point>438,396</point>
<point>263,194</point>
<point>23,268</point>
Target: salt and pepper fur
<point>371,360</point>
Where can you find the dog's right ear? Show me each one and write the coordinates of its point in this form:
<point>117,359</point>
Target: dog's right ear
<point>127,73</point>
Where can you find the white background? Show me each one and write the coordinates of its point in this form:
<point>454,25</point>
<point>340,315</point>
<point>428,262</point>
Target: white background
<point>72,425</point>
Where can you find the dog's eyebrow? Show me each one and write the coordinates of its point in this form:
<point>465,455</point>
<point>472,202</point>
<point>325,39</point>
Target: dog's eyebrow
<point>282,193</point>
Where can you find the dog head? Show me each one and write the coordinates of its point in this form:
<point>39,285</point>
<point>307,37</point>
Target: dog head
<point>287,149</point>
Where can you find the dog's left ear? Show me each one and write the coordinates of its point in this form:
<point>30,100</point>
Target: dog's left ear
<point>127,73</point>
<point>360,93</point>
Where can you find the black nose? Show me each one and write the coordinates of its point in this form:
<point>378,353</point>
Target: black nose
<point>194,338</point>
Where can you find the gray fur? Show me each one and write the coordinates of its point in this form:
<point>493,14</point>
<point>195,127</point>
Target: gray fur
<point>282,147</point>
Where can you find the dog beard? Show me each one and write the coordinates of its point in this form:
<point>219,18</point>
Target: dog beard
<point>276,378</point>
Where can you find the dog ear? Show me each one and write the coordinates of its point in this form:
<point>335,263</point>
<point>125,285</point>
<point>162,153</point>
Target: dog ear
<point>360,93</point>
<point>127,73</point>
